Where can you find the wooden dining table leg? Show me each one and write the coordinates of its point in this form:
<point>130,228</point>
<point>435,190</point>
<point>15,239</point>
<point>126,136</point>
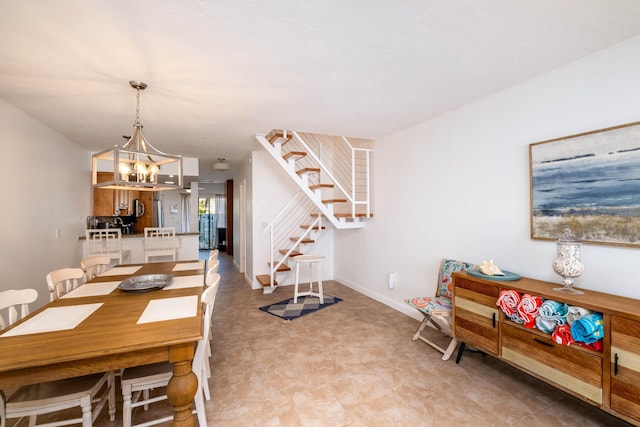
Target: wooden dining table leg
<point>183,385</point>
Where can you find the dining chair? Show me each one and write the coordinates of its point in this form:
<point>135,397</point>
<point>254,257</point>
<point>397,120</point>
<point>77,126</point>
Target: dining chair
<point>94,265</point>
<point>12,300</point>
<point>107,241</point>
<point>90,393</point>
<point>437,310</point>
<point>160,241</point>
<point>213,266</point>
<point>213,253</point>
<point>136,382</point>
<point>211,280</point>
<point>63,280</point>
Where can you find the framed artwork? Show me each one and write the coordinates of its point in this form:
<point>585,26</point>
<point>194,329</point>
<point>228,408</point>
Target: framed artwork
<point>589,183</point>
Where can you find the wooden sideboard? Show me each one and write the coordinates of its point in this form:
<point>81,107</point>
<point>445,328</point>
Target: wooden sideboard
<point>608,379</point>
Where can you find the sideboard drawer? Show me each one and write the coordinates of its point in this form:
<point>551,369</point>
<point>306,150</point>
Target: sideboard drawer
<point>572,368</point>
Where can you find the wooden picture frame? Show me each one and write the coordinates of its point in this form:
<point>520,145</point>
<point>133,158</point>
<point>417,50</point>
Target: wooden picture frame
<point>589,183</point>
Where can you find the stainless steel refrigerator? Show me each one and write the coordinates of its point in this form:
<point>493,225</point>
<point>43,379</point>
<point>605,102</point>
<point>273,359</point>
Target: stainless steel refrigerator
<point>158,212</point>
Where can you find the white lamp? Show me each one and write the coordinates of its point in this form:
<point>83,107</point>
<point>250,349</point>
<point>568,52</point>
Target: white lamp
<point>221,165</point>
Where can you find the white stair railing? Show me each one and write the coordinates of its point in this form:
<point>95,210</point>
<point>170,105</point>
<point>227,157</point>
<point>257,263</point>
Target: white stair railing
<point>341,164</point>
<point>298,212</point>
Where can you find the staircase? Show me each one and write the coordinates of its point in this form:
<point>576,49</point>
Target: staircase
<point>332,173</point>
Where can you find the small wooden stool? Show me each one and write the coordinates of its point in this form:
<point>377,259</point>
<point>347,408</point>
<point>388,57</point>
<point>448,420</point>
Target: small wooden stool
<point>311,260</point>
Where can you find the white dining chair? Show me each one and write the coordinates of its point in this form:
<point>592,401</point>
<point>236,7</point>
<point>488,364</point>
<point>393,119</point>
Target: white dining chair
<point>107,242</point>
<point>12,300</point>
<point>160,241</point>
<point>90,393</point>
<point>94,265</point>
<point>64,280</point>
<point>136,382</point>
<point>213,266</point>
<point>212,280</point>
<point>213,253</point>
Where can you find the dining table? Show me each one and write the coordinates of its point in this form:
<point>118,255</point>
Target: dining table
<point>100,326</point>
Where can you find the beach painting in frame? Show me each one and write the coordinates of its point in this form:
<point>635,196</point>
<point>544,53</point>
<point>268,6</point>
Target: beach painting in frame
<point>589,183</point>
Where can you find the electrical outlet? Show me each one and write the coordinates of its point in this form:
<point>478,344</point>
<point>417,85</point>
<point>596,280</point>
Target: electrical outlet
<point>392,280</point>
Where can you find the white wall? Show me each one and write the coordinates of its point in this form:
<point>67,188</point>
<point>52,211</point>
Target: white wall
<point>457,186</point>
<point>46,186</point>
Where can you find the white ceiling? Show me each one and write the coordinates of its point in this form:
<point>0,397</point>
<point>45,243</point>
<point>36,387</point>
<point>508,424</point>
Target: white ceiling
<point>220,71</point>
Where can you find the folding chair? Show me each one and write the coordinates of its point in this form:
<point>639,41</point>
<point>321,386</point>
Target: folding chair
<point>437,310</point>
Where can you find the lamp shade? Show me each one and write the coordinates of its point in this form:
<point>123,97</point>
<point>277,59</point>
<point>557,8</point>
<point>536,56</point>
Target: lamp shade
<point>221,165</point>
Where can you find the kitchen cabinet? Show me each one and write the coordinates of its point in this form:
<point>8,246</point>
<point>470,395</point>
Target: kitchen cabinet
<point>103,199</point>
<point>106,202</point>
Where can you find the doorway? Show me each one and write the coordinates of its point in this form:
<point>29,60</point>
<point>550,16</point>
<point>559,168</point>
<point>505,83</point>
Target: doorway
<point>212,224</point>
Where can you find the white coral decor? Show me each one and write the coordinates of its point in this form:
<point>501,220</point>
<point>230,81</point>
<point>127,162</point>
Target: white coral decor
<point>488,268</point>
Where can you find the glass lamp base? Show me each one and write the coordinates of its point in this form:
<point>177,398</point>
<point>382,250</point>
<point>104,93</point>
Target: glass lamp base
<point>569,290</point>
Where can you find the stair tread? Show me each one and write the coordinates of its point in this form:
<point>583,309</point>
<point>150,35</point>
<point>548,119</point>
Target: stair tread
<point>307,226</point>
<point>278,133</point>
<point>265,280</point>
<point>292,254</point>
<point>316,186</point>
<point>307,170</point>
<point>346,215</point>
<point>326,201</point>
<point>282,267</point>
<point>290,154</point>
<point>295,239</point>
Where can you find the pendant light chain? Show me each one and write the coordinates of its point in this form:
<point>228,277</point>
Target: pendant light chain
<point>138,115</point>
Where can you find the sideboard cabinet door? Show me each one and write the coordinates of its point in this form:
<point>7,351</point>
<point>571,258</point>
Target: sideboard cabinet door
<point>625,366</point>
<point>476,319</point>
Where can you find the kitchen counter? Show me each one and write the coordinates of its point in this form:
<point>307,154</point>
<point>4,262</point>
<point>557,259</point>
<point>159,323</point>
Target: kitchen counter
<point>187,243</point>
<point>138,235</point>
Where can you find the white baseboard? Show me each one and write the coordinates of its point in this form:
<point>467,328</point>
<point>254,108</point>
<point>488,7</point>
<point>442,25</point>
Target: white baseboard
<point>398,306</point>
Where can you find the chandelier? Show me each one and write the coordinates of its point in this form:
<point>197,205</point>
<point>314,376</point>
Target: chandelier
<point>137,165</point>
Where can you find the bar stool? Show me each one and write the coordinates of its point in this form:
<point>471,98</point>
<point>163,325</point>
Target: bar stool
<point>311,260</point>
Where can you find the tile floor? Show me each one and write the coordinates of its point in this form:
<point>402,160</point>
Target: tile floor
<point>354,364</point>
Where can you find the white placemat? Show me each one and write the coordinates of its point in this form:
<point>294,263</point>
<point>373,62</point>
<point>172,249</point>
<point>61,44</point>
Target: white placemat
<point>158,310</point>
<point>185,282</point>
<point>92,289</point>
<point>54,319</point>
<point>121,271</point>
<point>189,266</point>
